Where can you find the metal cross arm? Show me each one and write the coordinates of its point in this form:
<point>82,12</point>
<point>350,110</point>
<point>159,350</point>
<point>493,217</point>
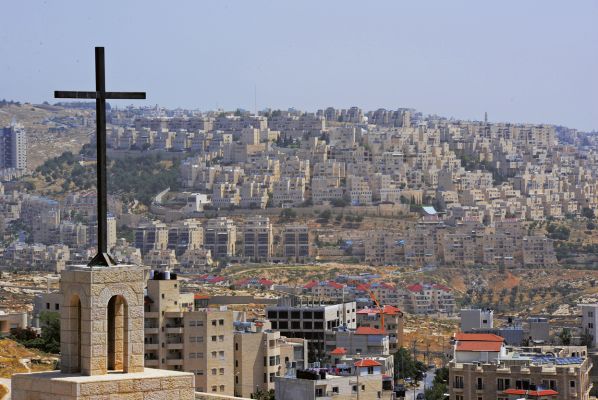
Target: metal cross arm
<point>65,94</point>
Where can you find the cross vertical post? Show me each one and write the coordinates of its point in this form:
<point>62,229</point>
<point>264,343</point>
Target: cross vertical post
<point>102,201</point>
<point>102,258</point>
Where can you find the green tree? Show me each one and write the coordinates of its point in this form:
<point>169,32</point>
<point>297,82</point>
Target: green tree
<point>565,337</point>
<point>439,385</point>
<point>407,367</point>
<point>261,394</point>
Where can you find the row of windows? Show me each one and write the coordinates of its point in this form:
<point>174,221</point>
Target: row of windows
<point>505,383</point>
<point>219,338</point>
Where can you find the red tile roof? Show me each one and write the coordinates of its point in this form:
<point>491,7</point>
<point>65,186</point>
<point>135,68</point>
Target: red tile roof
<point>416,287</point>
<point>479,346</point>
<point>338,351</point>
<point>310,284</point>
<point>532,393</point>
<point>367,363</point>
<point>335,285</point>
<point>478,337</point>
<point>265,282</point>
<point>388,310</point>
<point>366,330</point>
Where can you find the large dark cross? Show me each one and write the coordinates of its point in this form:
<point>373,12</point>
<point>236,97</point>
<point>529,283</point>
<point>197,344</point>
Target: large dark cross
<point>102,258</point>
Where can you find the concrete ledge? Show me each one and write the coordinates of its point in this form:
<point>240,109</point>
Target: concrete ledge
<point>151,384</point>
<point>210,396</point>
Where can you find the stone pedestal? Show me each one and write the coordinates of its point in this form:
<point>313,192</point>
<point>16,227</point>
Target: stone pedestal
<point>151,384</point>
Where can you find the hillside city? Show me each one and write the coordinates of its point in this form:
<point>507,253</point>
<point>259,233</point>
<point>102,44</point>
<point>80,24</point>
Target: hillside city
<point>290,254</point>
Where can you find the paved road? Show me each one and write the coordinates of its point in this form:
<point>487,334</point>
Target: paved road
<point>427,382</point>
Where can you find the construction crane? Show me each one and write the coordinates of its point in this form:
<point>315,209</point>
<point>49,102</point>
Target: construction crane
<point>380,309</point>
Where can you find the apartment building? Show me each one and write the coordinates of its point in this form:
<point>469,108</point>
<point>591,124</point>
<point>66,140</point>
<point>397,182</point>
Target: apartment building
<point>151,236</point>
<point>220,236</point>
<point>425,298</point>
<point>484,368</point>
<point>185,236</point>
<point>393,323</point>
<point>314,323</point>
<point>257,238</point>
<point>296,242</point>
<point>181,337</point>
<point>13,147</point>
<point>363,379</point>
<point>262,354</point>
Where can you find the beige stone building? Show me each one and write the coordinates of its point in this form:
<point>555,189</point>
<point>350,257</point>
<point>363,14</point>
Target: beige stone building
<point>220,236</point>
<point>296,242</point>
<point>483,368</point>
<point>257,238</point>
<point>151,236</point>
<point>179,336</point>
<point>261,355</point>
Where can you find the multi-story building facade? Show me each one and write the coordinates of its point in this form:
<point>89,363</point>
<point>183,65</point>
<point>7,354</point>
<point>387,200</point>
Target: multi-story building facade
<point>151,236</point>
<point>13,147</point>
<point>261,355</point>
<point>314,323</point>
<point>184,236</point>
<point>257,238</point>
<point>179,336</point>
<point>484,368</point>
<point>296,242</point>
<point>220,236</point>
<point>393,323</point>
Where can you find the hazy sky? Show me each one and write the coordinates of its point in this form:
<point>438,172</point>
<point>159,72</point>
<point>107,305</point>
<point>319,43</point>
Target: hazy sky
<point>520,60</point>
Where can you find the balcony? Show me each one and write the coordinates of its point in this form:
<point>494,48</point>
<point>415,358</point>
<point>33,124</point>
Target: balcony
<point>174,329</point>
<point>174,361</point>
<point>151,331</point>
<point>174,346</point>
<point>151,315</point>
<point>151,346</point>
<point>151,363</point>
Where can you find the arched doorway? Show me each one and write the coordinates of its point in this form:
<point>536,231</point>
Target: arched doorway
<point>118,334</point>
<point>74,322</point>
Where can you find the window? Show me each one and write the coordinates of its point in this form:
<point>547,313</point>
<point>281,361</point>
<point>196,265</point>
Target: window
<point>319,392</point>
<point>590,325</point>
<point>354,388</point>
<point>480,385</point>
<point>199,323</point>
<point>214,338</point>
<point>272,375</point>
<point>221,354</point>
<point>214,354</point>
<point>458,384</point>
<point>265,378</point>
<point>221,338</point>
<point>503,384</point>
<point>214,388</point>
<point>236,363</point>
<point>213,371</point>
<point>572,384</point>
<point>199,372</point>
<point>220,322</point>
<point>57,306</point>
<point>199,355</point>
<point>236,346</point>
<point>47,306</point>
<point>191,323</point>
<point>162,295</point>
<point>213,322</point>
<point>590,314</point>
<point>221,371</point>
<point>236,378</point>
<point>222,388</point>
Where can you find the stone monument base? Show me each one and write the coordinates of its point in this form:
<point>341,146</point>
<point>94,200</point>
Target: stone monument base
<point>151,384</point>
